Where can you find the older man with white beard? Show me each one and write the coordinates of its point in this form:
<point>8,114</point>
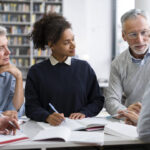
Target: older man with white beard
<point>130,71</point>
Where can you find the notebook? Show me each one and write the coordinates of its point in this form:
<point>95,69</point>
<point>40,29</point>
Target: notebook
<point>121,130</point>
<point>7,139</point>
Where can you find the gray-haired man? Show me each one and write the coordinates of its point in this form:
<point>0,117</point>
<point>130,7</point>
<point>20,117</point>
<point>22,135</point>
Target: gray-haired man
<point>131,69</point>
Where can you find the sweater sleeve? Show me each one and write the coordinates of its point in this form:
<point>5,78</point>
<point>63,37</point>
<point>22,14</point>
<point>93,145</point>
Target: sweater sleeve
<point>94,97</point>
<point>143,126</point>
<point>33,107</point>
<point>113,94</point>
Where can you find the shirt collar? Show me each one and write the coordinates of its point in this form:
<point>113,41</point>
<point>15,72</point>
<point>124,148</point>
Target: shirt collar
<point>140,61</point>
<point>55,61</point>
<point>3,74</point>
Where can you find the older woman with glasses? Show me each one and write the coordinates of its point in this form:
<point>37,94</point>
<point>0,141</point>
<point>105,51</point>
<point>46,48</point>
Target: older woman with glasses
<point>130,70</point>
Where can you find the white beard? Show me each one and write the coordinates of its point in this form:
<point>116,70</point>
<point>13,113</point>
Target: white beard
<point>140,52</point>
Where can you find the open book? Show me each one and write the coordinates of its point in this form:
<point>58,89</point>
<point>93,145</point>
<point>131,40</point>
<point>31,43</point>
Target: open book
<point>44,131</point>
<point>121,129</point>
<point>86,124</point>
<point>65,134</point>
<point>7,139</point>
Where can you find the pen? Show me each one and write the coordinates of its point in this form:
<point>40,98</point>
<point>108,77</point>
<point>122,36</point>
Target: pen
<point>115,115</point>
<point>53,108</point>
<point>10,122</point>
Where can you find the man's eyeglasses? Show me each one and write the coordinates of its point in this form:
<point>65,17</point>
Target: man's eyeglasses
<point>134,35</point>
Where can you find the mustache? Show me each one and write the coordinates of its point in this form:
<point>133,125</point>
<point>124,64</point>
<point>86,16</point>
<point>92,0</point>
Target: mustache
<point>140,44</point>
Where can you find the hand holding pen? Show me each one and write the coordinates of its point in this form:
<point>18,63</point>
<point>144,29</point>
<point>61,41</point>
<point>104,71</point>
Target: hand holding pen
<point>8,125</point>
<point>55,118</point>
<point>131,117</point>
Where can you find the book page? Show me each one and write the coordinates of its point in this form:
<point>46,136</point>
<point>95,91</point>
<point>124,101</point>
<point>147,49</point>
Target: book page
<point>6,139</point>
<point>72,124</point>
<point>121,129</point>
<point>93,121</point>
<point>87,137</point>
<point>62,133</point>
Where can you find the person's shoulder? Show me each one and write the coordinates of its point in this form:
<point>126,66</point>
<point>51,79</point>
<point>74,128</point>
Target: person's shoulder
<point>79,62</point>
<point>40,64</point>
<point>8,76</point>
<point>121,58</point>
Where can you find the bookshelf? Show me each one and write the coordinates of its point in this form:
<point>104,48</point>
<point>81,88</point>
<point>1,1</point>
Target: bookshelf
<point>18,16</point>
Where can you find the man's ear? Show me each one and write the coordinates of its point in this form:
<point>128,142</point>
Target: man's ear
<point>124,36</point>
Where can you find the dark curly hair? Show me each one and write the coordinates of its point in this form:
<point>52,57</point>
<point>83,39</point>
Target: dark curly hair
<point>48,29</point>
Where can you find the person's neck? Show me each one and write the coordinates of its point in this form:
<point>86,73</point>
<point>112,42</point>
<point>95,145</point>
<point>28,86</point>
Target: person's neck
<point>137,56</point>
<point>59,58</point>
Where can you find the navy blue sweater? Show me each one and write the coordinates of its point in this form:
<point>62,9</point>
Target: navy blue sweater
<point>69,88</point>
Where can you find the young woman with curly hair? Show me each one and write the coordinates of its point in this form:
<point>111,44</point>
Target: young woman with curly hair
<point>69,84</point>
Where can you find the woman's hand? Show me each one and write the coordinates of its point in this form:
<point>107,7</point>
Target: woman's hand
<point>11,114</point>
<point>77,116</point>
<point>8,125</point>
<point>55,119</point>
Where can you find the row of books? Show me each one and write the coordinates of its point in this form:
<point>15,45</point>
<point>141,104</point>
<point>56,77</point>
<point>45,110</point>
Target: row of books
<point>18,40</point>
<point>38,7</point>
<point>39,52</point>
<point>26,52</point>
<point>14,7</point>
<point>18,29</point>
<point>25,62</point>
<point>14,17</point>
<point>20,62</point>
<point>20,51</point>
<point>53,8</point>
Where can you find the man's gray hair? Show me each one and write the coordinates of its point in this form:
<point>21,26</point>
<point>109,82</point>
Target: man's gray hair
<point>133,13</point>
<point>3,30</point>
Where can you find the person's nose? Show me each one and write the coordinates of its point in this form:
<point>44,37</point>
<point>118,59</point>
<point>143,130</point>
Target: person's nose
<point>140,38</point>
<point>7,51</point>
<point>73,44</point>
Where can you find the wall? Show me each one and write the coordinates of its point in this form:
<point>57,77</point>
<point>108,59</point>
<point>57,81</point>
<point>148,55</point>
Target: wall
<point>92,25</point>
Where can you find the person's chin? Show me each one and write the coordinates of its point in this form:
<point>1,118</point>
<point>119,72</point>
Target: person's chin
<point>6,63</point>
<point>140,52</point>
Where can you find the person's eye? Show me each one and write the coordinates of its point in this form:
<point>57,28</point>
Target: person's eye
<point>66,42</point>
<point>144,32</point>
<point>133,34</point>
<point>1,48</point>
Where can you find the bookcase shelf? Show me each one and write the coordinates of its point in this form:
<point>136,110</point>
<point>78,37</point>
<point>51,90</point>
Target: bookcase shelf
<point>18,17</point>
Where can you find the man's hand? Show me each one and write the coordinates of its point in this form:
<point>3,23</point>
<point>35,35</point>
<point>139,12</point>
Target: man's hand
<point>77,116</point>
<point>55,119</point>
<point>6,127</point>
<point>136,107</point>
<point>11,114</point>
<point>130,117</point>
<point>11,69</point>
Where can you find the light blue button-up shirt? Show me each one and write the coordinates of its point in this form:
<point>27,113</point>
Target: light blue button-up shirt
<point>7,87</point>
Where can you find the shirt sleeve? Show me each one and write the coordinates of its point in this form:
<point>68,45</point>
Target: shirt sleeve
<point>113,93</point>
<point>95,100</point>
<point>33,108</point>
<point>143,126</point>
